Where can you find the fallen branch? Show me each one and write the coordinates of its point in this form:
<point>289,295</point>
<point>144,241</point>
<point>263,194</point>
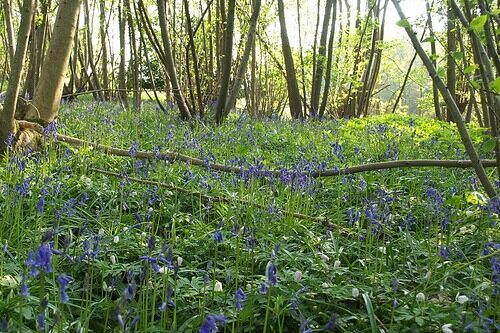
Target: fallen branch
<point>173,156</point>
<point>323,220</point>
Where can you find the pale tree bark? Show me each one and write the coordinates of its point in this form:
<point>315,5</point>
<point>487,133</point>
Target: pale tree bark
<point>291,77</point>
<point>451,68</point>
<point>227,61</point>
<point>104,50</point>
<point>435,92</point>
<point>122,85</point>
<point>170,63</point>
<point>329,63</point>
<point>7,122</point>
<point>49,89</point>
<point>451,104</point>
<point>320,62</point>
<point>7,7</point>
<point>244,59</point>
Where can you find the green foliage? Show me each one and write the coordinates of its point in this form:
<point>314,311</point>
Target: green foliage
<point>411,243</point>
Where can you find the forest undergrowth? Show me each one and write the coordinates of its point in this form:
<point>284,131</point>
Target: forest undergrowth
<point>405,250</point>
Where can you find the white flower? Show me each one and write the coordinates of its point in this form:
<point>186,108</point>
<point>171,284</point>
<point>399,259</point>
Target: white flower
<point>324,257</point>
<point>150,209</point>
<point>446,328</point>
<point>163,270</point>
<point>355,292</point>
<point>179,261</point>
<point>336,264</point>
<point>469,213</point>
<point>382,249</point>
<point>428,275</point>
<point>472,227</point>
<point>420,297</point>
<point>324,285</point>
<point>112,258</point>
<point>116,239</point>
<point>462,299</point>
<point>218,286</point>
<point>101,232</point>
<point>463,230</point>
<point>143,234</point>
<point>125,229</point>
<point>297,276</point>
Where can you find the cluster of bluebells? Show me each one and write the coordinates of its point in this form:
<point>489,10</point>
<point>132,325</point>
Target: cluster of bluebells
<point>212,323</point>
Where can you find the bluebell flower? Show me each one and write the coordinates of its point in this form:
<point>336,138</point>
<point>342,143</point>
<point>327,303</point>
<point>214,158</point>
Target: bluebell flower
<point>40,206</point>
<point>304,327</point>
<point>41,321</point>
<point>444,252</point>
<point>332,323</point>
<point>163,307</point>
<point>133,150</point>
<point>271,274</point>
<point>239,297</point>
<point>130,291</point>
<point>263,289</point>
<point>64,281</point>
<point>24,287</point>
<point>212,322</point>
<point>217,236</point>
<point>9,141</point>
<point>43,259</point>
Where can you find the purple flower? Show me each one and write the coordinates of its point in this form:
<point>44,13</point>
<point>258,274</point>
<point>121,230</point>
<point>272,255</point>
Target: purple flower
<point>41,321</point>
<point>217,236</point>
<point>130,291</point>
<point>239,297</point>
<point>64,280</point>
<point>304,327</point>
<point>263,289</point>
<point>10,140</point>
<point>133,150</point>
<point>163,307</point>
<point>271,274</point>
<point>43,260</point>
<point>24,287</point>
<point>332,323</point>
<point>444,252</point>
<point>212,322</point>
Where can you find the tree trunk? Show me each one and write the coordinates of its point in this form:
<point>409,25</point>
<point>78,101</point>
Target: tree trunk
<point>435,92</point>
<point>240,73</point>
<point>9,28</point>
<point>104,50</point>
<point>320,62</point>
<point>450,102</point>
<point>7,122</point>
<point>170,63</point>
<point>329,63</point>
<point>227,61</point>
<point>122,85</point>
<point>291,78</point>
<point>451,68</point>
<point>49,89</point>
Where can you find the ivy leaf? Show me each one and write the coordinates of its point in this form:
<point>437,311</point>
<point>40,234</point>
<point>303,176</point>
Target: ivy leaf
<point>489,145</point>
<point>495,85</point>
<point>403,23</point>
<point>477,24</point>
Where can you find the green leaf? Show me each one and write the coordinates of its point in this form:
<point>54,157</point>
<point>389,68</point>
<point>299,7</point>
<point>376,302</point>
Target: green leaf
<point>476,84</point>
<point>477,24</point>
<point>495,85</point>
<point>457,55</point>
<point>471,69</point>
<point>429,39</point>
<point>403,23</point>
<point>489,145</point>
<point>496,12</point>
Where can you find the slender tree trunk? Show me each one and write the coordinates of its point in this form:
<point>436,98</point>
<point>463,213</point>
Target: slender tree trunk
<point>329,63</point>
<point>240,73</point>
<point>197,76</point>
<point>291,78</point>
<point>122,85</point>
<point>49,89</point>
<point>450,102</point>
<point>170,63</point>
<point>302,67</point>
<point>435,92</point>
<point>320,63</point>
<point>104,50</point>
<point>7,122</point>
<point>9,28</point>
<point>226,65</point>
<point>451,68</point>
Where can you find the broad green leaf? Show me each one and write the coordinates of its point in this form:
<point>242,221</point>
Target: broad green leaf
<point>429,39</point>
<point>489,145</point>
<point>475,198</point>
<point>403,23</point>
<point>471,69</point>
<point>476,84</point>
<point>477,24</point>
<point>457,55</point>
<point>495,85</point>
<point>496,12</point>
